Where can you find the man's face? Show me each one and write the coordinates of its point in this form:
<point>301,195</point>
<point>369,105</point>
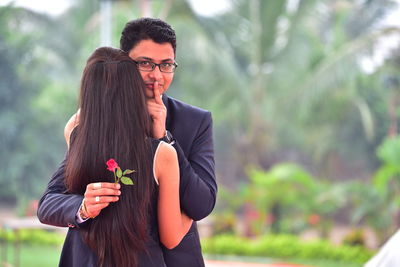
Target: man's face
<point>148,50</point>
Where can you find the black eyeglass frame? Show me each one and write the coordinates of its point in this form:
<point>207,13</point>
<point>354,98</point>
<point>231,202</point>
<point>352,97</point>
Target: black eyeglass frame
<point>153,65</point>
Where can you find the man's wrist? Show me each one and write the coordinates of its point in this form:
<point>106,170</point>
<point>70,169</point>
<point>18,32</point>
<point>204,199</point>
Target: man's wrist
<point>158,133</point>
<point>168,138</point>
<point>83,212</point>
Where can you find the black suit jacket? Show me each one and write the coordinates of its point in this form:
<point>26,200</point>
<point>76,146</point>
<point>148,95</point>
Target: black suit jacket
<point>192,130</point>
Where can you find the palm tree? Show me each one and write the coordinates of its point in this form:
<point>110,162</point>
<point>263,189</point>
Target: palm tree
<point>272,68</point>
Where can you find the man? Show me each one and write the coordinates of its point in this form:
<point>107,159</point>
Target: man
<point>151,43</point>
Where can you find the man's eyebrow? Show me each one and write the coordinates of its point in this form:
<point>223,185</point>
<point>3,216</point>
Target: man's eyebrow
<point>146,58</point>
<point>150,59</point>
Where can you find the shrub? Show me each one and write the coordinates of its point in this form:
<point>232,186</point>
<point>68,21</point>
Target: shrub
<point>284,246</point>
<point>32,236</point>
<point>355,238</point>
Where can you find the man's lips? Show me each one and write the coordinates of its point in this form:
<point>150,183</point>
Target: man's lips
<point>151,86</point>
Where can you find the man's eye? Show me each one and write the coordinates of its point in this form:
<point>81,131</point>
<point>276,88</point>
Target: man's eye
<point>166,65</point>
<point>145,63</point>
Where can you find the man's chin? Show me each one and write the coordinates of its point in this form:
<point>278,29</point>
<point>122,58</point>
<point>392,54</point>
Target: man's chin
<point>149,93</point>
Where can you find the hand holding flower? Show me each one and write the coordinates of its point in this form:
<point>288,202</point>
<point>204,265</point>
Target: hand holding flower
<point>119,175</point>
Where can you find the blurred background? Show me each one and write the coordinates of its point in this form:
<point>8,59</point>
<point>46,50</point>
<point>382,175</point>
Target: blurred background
<point>305,97</point>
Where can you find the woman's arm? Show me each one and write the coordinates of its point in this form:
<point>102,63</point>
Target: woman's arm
<point>172,223</point>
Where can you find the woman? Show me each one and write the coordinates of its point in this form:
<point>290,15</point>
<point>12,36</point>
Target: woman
<point>119,225</point>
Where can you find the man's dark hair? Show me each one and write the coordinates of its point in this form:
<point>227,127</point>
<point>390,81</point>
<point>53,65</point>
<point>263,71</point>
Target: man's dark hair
<point>147,29</point>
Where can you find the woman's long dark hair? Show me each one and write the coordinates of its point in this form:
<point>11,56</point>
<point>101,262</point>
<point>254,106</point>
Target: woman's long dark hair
<point>113,123</point>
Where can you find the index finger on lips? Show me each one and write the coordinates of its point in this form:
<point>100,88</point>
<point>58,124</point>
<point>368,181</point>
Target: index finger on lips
<point>157,94</point>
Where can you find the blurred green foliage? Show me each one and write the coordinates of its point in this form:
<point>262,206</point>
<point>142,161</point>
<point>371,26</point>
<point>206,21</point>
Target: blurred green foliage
<point>389,172</point>
<point>284,84</point>
<point>32,237</point>
<point>387,181</point>
<point>284,247</point>
<point>287,199</point>
<point>285,189</point>
<point>355,238</point>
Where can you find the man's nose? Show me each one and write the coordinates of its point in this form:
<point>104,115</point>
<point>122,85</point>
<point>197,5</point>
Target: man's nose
<point>156,73</point>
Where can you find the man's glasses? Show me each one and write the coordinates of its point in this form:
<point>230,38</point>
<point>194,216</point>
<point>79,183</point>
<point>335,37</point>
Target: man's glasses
<point>146,65</point>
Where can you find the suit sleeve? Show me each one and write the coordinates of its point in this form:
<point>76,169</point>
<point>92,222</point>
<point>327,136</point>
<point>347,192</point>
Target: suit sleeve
<point>56,207</point>
<point>198,187</point>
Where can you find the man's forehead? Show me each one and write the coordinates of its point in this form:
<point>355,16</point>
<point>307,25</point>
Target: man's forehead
<point>152,50</point>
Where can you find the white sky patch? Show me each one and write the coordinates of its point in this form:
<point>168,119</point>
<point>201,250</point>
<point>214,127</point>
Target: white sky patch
<point>216,7</point>
<point>54,8</point>
<point>385,45</point>
<point>292,6</point>
<point>210,7</point>
<point>383,51</point>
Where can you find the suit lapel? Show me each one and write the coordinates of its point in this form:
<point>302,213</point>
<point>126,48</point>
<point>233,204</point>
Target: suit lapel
<point>165,100</point>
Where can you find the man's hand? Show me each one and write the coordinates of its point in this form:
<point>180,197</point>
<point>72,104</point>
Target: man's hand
<point>158,113</point>
<point>98,196</point>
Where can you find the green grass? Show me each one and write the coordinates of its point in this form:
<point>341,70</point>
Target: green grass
<point>306,262</point>
<point>288,248</point>
<point>48,256</point>
<point>32,255</point>
<point>322,263</point>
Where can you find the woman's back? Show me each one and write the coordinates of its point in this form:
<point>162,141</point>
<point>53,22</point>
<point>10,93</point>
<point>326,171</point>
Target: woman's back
<point>116,225</point>
<point>113,123</point>
<point>76,252</point>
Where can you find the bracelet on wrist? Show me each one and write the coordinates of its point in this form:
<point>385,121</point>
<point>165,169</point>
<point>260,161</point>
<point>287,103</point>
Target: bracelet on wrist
<point>83,212</point>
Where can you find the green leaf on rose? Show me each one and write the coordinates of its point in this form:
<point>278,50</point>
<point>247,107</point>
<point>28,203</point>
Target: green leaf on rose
<point>119,172</point>
<point>127,171</point>
<point>126,180</point>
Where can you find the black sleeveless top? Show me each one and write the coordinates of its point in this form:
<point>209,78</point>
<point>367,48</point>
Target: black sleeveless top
<point>76,253</point>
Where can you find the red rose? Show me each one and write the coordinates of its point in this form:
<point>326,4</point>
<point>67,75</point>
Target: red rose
<point>112,165</point>
<point>119,175</point>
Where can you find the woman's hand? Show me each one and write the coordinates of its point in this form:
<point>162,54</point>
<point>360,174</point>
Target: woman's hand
<point>98,196</point>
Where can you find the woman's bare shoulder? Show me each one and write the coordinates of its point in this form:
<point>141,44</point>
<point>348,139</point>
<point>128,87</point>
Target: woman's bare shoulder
<point>71,124</point>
